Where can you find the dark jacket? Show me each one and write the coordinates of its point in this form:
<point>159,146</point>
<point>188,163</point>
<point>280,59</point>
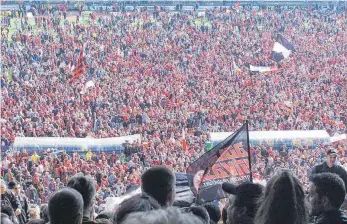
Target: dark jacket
<point>24,217</point>
<point>9,198</point>
<point>332,217</point>
<point>323,168</point>
<point>86,220</point>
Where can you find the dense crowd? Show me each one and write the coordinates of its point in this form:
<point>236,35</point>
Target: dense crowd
<point>160,75</point>
<point>283,200</point>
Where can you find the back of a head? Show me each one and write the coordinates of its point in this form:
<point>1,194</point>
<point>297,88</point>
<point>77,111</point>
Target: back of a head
<point>159,182</point>
<point>5,219</point>
<point>331,186</point>
<point>201,213</point>
<point>85,186</point>
<point>7,209</point>
<point>105,215</point>
<point>137,203</point>
<point>213,211</point>
<point>44,212</point>
<point>11,185</point>
<point>171,215</point>
<point>283,201</point>
<point>36,221</point>
<point>65,206</point>
<point>181,204</point>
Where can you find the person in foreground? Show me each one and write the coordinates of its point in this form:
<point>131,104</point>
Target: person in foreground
<point>86,188</point>
<point>283,201</point>
<point>326,195</point>
<point>242,205</point>
<point>159,182</point>
<point>330,166</point>
<point>137,203</point>
<point>65,207</point>
<point>9,199</point>
<point>171,215</point>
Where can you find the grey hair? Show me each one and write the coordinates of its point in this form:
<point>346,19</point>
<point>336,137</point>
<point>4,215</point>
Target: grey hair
<point>171,215</point>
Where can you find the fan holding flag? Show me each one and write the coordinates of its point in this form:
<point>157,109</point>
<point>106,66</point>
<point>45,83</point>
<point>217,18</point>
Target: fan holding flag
<point>229,161</point>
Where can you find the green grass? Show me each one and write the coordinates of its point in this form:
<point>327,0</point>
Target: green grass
<point>36,30</point>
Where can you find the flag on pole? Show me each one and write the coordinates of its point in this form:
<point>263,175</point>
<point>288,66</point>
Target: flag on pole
<point>235,67</point>
<point>262,69</point>
<point>229,161</point>
<point>78,71</point>
<point>282,49</point>
<point>88,84</point>
<point>184,141</point>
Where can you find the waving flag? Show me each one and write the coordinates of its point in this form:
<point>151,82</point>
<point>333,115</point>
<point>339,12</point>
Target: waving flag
<point>282,49</point>
<point>229,161</point>
<point>235,67</point>
<point>78,71</point>
<point>88,84</point>
<point>262,69</point>
<point>184,141</point>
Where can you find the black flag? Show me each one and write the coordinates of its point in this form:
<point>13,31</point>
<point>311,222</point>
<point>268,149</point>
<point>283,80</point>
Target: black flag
<point>229,161</point>
<point>281,49</point>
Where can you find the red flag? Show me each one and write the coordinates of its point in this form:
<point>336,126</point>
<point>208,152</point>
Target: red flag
<point>78,71</point>
<point>184,141</point>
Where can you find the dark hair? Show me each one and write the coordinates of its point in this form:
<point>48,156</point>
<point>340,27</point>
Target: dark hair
<point>44,213</point>
<point>200,212</point>
<point>105,215</point>
<point>170,215</point>
<point>331,186</point>
<point>85,186</point>
<point>181,204</point>
<point>213,211</point>
<point>36,221</point>
<point>224,215</point>
<point>137,203</point>
<point>159,182</point>
<point>65,206</point>
<point>7,209</point>
<point>5,219</point>
<point>11,185</point>
<point>247,195</point>
<point>283,201</point>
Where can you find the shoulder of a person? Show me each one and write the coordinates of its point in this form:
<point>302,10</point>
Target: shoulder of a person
<point>337,217</point>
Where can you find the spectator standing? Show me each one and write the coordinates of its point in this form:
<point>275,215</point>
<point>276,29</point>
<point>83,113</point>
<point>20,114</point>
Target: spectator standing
<point>243,203</point>
<point>159,182</point>
<point>330,166</point>
<point>24,216</point>
<point>283,201</point>
<point>326,195</point>
<point>9,199</point>
<point>65,206</point>
<point>86,188</point>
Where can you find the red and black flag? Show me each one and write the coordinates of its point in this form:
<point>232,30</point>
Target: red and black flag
<point>78,70</point>
<point>229,161</point>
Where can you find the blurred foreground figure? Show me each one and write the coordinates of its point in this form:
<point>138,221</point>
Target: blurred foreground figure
<point>65,207</point>
<point>283,201</point>
<point>326,195</point>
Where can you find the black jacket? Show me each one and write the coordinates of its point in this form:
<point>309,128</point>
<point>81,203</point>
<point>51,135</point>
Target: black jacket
<point>9,198</point>
<point>86,220</point>
<point>323,168</point>
<point>332,217</point>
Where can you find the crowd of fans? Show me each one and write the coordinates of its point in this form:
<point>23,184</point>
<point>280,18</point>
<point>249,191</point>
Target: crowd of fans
<point>283,200</point>
<point>161,74</point>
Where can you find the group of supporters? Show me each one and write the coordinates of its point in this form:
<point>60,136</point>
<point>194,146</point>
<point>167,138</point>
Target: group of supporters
<point>167,76</point>
<point>282,200</point>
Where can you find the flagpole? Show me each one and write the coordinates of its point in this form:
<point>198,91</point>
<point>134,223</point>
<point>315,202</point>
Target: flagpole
<point>249,154</point>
